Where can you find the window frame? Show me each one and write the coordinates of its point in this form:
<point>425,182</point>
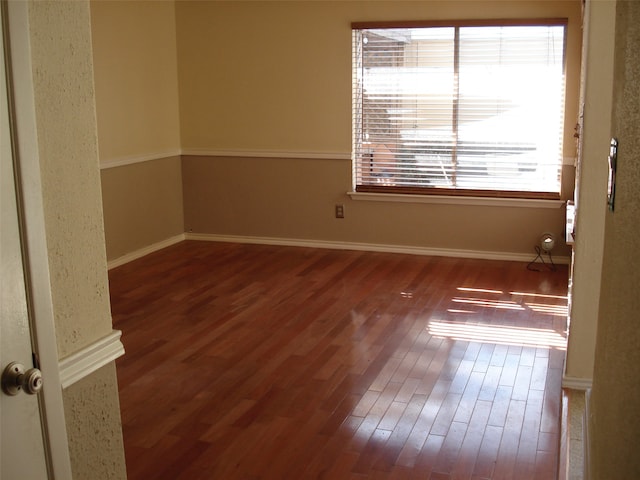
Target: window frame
<point>460,191</point>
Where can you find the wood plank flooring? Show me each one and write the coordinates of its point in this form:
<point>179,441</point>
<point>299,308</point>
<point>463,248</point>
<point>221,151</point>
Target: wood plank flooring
<point>267,362</point>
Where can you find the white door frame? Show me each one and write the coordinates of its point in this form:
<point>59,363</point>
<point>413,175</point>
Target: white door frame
<point>31,213</point>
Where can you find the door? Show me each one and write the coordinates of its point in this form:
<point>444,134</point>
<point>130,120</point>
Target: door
<point>22,453</point>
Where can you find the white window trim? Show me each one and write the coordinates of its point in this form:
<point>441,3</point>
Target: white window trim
<point>392,196</point>
<point>457,200</point>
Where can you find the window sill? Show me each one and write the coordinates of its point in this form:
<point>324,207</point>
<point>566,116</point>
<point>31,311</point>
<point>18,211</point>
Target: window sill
<point>454,200</point>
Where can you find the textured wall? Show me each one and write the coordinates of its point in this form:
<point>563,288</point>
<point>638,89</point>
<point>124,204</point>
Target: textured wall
<point>94,428</point>
<point>615,434</point>
<point>67,143</point>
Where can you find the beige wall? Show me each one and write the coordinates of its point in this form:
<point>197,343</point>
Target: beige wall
<point>294,199</point>
<point>134,47</point>
<point>60,38</point>
<point>273,90</point>
<point>615,422</point>
<point>142,205</point>
<point>275,77</point>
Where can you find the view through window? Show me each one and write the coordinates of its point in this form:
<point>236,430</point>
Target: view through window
<point>461,109</point>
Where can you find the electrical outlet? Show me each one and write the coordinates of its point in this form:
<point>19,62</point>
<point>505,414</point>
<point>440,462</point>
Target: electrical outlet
<point>339,211</point>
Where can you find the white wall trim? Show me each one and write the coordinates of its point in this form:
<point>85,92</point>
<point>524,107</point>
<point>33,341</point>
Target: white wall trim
<point>439,252</point>
<point>457,200</point>
<point>79,365</point>
<point>133,159</point>
<point>335,245</point>
<point>207,152</point>
<point>211,152</point>
<point>267,154</point>
<point>576,383</point>
<point>129,257</point>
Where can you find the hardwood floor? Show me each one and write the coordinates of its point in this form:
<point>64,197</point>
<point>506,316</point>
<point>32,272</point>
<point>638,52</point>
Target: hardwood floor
<point>266,362</point>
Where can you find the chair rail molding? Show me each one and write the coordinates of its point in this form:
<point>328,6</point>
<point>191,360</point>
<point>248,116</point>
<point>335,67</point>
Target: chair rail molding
<point>83,363</point>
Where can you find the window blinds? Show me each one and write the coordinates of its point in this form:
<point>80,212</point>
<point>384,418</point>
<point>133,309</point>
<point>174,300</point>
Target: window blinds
<point>459,109</point>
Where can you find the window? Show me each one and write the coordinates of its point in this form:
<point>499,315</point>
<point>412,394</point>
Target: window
<point>468,109</point>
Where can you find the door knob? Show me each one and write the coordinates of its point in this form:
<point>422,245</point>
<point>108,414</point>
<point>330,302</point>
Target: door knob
<point>15,379</point>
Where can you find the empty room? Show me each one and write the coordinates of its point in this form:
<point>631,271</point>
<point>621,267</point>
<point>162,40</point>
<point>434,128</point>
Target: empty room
<point>327,239</point>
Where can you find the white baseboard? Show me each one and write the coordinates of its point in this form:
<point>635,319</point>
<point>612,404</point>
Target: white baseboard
<point>334,245</point>
<point>585,435</point>
<point>371,247</point>
<point>129,257</point>
<point>83,363</point>
<point>576,383</point>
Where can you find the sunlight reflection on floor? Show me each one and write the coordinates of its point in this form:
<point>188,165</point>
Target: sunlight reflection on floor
<point>498,334</point>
